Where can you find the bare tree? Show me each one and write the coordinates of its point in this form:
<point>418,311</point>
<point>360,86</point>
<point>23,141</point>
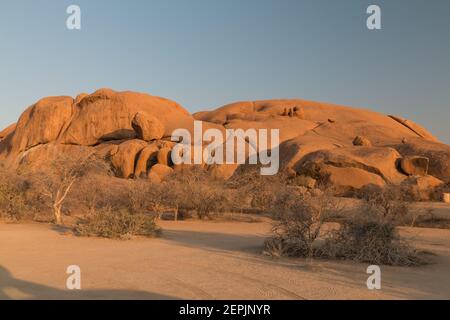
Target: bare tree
<point>57,180</point>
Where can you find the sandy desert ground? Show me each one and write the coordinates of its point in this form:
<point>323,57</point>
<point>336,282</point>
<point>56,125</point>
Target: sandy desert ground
<point>201,260</point>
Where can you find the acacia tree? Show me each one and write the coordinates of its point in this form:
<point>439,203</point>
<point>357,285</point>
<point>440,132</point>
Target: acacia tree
<point>57,180</point>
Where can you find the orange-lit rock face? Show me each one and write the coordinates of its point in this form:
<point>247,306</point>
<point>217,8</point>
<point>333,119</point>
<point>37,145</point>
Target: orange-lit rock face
<point>132,131</point>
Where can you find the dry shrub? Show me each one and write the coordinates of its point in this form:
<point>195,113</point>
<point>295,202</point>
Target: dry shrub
<point>183,195</point>
<point>300,221</point>
<point>208,201</point>
<point>13,196</point>
<point>120,224</point>
<point>370,238</point>
<point>316,171</point>
<point>400,193</point>
<point>437,193</point>
<point>55,182</point>
<point>394,202</point>
<point>252,191</point>
<point>371,235</point>
<point>92,192</point>
<point>122,209</point>
<point>143,196</point>
<point>195,191</point>
<point>388,203</point>
<point>138,196</point>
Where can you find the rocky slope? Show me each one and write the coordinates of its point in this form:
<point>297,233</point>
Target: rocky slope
<point>353,147</point>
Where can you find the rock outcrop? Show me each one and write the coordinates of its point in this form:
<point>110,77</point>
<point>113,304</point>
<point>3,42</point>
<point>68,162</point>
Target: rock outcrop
<point>108,115</point>
<point>161,171</point>
<point>5,132</point>
<point>414,165</point>
<point>132,132</point>
<point>380,161</point>
<point>147,127</point>
<point>362,141</point>
<point>146,159</point>
<point>421,132</point>
<point>41,123</point>
<point>437,153</point>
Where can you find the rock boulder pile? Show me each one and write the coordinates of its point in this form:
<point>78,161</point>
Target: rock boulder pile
<point>353,147</point>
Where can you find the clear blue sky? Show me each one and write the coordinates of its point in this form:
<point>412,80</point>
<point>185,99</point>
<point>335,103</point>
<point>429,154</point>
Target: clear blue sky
<point>205,53</point>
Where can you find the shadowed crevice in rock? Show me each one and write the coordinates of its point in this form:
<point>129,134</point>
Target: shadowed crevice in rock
<point>414,128</point>
<point>121,134</point>
<point>358,165</point>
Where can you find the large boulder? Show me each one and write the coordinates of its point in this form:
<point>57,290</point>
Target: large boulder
<point>289,127</point>
<point>164,156</point>
<point>90,120</point>
<point>313,118</point>
<point>362,141</point>
<point>437,153</point>
<point>44,155</point>
<point>349,178</point>
<point>415,165</point>
<point>7,131</point>
<point>146,158</point>
<point>159,172</point>
<point>222,171</point>
<point>108,115</point>
<point>378,161</point>
<point>41,123</point>
<point>125,158</point>
<point>294,150</point>
<point>147,127</point>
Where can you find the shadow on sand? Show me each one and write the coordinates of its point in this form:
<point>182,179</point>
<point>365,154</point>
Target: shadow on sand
<point>216,241</point>
<point>12,288</point>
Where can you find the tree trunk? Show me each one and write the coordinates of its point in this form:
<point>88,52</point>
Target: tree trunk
<point>176,213</point>
<point>57,213</point>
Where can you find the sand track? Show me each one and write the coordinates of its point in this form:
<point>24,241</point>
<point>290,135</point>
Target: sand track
<point>200,260</point>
